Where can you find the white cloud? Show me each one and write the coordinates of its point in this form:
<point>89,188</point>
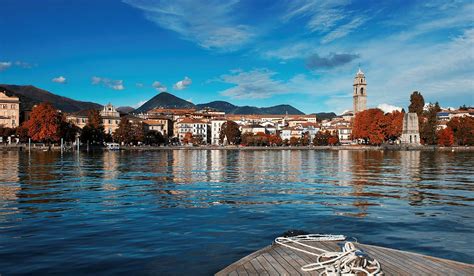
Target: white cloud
<point>255,84</point>
<point>23,64</point>
<point>4,65</point>
<point>113,84</point>
<point>59,79</point>
<point>344,30</point>
<point>159,86</point>
<point>388,108</point>
<point>182,84</point>
<point>209,23</point>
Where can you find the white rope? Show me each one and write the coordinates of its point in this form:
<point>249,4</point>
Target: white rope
<point>350,261</point>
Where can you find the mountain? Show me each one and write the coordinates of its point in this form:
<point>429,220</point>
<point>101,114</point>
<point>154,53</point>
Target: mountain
<point>325,115</point>
<point>229,108</point>
<point>125,109</point>
<point>165,100</point>
<point>30,95</point>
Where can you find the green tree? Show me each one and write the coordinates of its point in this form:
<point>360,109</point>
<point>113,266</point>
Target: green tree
<point>93,132</point>
<point>417,103</point>
<point>230,131</point>
<point>428,133</point>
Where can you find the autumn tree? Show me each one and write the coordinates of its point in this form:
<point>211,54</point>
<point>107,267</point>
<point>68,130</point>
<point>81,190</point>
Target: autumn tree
<point>124,133</point>
<point>333,140</point>
<point>294,141</point>
<point>44,124</point>
<point>247,139</point>
<point>321,138</point>
<point>138,132</point>
<point>428,127</point>
<point>306,139</point>
<point>275,140</point>
<point>463,130</point>
<point>188,138</point>
<point>93,132</point>
<point>446,137</point>
<point>393,125</point>
<point>368,126</point>
<point>417,103</point>
<point>230,131</point>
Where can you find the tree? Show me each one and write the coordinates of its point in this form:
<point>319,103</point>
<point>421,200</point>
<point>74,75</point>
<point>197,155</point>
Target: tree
<point>428,133</point>
<point>394,125</point>
<point>275,140</point>
<point>68,131</point>
<point>247,139</point>
<point>93,132</point>
<point>446,137</point>
<point>463,130</point>
<point>333,140</point>
<point>44,124</point>
<point>124,132</point>
<point>321,138</point>
<point>153,137</point>
<point>22,133</point>
<point>417,103</point>
<point>306,139</point>
<point>188,137</point>
<point>368,126</point>
<point>294,141</point>
<point>230,131</point>
<point>138,132</point>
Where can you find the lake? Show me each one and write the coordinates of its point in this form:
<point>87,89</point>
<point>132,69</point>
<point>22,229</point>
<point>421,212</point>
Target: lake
<point>196,211</point>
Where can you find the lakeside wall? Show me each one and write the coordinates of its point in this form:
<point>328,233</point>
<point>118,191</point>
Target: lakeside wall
<point>24,147</point>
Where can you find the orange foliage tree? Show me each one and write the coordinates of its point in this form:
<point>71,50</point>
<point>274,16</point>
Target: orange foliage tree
<point>368,126</point>
<point>333,140</point>
<point>44,124</point>
<point>188,138</point>
<point>275,140</point>
<point>463,129</point>
<point>393,125</point>
<point>446,137</point>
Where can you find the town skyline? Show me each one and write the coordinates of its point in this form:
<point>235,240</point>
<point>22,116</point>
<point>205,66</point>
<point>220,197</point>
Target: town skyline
<point>237,57</point>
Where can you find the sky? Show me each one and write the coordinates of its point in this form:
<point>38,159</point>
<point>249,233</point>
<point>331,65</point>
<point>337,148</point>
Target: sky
<point>249,52</point>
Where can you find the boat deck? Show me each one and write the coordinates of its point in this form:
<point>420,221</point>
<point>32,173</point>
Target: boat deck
<point>279,260</point>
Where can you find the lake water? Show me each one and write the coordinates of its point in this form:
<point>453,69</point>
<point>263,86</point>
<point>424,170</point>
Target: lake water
<point>196,211</point>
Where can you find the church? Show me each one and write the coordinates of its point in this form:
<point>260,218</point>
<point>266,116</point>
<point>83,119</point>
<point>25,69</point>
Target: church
<point>360,92</point>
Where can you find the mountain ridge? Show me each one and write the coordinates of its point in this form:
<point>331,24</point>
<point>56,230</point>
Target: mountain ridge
<point>31,95</point>
<point>167,100</point>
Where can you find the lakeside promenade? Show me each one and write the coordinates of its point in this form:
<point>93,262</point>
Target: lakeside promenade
<point>24,147</point>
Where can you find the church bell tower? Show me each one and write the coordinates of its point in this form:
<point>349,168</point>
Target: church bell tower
<point>360,92</point>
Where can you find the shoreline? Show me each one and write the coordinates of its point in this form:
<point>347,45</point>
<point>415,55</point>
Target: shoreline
<point>257,148</point>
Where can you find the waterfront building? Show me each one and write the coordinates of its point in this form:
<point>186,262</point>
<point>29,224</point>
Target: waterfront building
<point>196,127</point>
<point>163,125</point>
<point>9,111</point>
<point>111,118</point>
<point>411,131</point>
<point>360,92</point>
<point>216,126</point>
<point>253,128</point>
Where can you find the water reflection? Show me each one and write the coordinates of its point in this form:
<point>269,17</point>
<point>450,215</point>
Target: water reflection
<point>144,203</point>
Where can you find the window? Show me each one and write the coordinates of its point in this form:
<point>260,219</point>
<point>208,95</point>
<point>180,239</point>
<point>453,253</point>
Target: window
<point>362,90</point>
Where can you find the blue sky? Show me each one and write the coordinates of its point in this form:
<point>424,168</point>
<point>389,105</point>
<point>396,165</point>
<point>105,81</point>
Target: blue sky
<point>248,52</point>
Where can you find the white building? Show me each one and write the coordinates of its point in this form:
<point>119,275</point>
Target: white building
<point>196,127</point>
<point>216,126</point>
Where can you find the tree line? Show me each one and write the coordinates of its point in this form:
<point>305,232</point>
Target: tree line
<point>47,125</point>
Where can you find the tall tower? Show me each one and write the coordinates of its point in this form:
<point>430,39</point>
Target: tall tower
<point>360,92</point>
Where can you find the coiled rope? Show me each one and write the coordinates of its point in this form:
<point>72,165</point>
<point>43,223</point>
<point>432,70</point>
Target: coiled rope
<point>350,261</point>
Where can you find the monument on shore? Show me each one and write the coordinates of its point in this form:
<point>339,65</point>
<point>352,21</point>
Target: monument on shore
<point>411,130</point>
